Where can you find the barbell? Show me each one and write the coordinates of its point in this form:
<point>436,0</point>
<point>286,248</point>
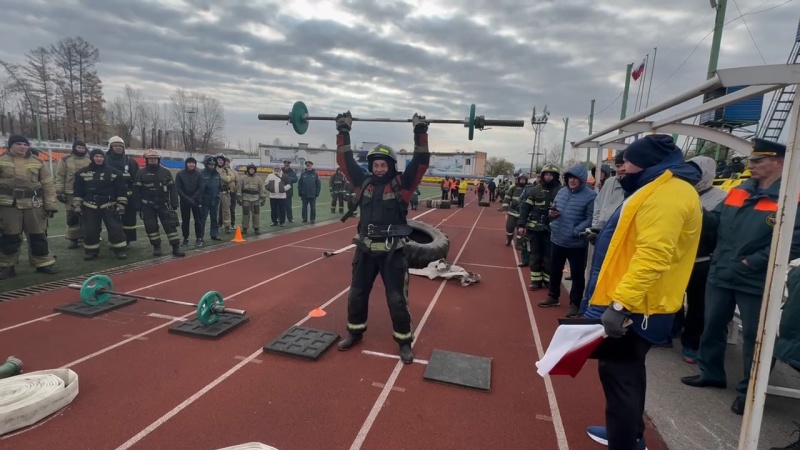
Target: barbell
<point>299,119</point>
<point>98,289</point>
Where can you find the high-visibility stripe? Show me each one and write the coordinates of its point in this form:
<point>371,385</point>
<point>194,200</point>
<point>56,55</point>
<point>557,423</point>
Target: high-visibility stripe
<point>736,197</point>
<point>766,204</point>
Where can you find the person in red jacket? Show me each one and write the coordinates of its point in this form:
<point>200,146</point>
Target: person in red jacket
<point>383,196</point>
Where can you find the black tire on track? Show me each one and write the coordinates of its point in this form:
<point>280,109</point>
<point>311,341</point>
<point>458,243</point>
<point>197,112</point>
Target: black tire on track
<point>425,245</point>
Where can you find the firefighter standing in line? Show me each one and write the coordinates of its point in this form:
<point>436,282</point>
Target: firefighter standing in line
<point>68,166</point>
<point>337,184</point>
<point>227,185</point>
<point>234,197</point>
<point>251,196</point>
<point>511,206</point>
<point>533,220</point>
<point>382,228</point>
<point>156,198</point>
<point>117,159</point>
<point>100,197</point>
<point>27,199</point>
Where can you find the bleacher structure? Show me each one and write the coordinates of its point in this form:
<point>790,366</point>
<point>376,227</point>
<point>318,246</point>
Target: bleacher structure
<point>781,103</point>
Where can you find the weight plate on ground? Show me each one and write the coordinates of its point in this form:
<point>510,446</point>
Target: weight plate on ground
<point>90,288</point>
<point>299,123</point>
<point>205,309</point>
<point>471,121</point>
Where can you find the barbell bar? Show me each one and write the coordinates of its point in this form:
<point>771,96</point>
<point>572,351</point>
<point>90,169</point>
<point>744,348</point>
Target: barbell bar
<point>98,289</point>
<point>299,118</point>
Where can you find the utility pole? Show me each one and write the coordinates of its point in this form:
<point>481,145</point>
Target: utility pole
<point>591,122</point>
<point>564,142</point>
<point>538,126</point>
<point>713,58</point>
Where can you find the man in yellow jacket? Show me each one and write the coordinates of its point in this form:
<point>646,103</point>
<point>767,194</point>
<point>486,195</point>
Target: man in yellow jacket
<point>641,266</point>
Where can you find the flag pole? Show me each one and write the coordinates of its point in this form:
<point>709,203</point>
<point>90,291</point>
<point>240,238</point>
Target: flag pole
<point>653,72</point>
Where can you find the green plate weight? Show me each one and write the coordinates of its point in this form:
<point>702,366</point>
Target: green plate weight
<point>299,123</point>
<point>205,309</point>
<point>90,288</point>
<point>471,121</point>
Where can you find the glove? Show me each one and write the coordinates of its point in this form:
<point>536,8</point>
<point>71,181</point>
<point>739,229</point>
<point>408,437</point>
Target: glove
<point>262,202</point>
<point>239,202</point>
<point>344,122</point>
<point>61,198</point>
<point>614,322</point>
<point>419,124</point>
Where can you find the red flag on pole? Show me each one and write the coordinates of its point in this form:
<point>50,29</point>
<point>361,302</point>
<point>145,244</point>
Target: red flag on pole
<point>638,72</point>
<point>571,347</point>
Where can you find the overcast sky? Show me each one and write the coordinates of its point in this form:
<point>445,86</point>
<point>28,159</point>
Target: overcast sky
<point>391,59</point>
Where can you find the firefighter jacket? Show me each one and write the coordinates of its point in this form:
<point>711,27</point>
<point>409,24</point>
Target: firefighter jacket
<point>251,189</point>
<point>511,200</point>
<point>533,212</point>
<point>68,166</point>
<point>126,165</point>
<point>26,182</point>
<point>153,186</point>
<point>228,179</point>
<point>744,222</point>
<point>99,187</point>
<point>337,183</point>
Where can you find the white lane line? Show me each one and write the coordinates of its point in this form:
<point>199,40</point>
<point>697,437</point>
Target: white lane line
<point>376,408</point>
<point>386,355</point>
<point>486,265</point>
<point>145,333</point>
<point>153,426</point>
<point>558,424</point>
<point>45,318</point>
<point>169,280</point>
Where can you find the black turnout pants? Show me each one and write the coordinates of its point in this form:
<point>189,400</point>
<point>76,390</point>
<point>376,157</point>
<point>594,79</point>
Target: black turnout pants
<point>623,375</point>
<point>93,218</point>
<point>151,216</point>
<point>394,273</point>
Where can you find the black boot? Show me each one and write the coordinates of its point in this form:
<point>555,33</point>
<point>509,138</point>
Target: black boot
<point>156,250</point>
<point>349,341</point>
<point>50,270</point>
<point>121,255</point>
<point>90,256</point>
<point>7,272</point>
<point>73,244</point>
<point>535,285</point>
<point>406,355</point>
<point>176,251</point>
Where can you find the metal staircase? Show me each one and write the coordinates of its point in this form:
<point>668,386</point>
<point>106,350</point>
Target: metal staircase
<point>781,104</point>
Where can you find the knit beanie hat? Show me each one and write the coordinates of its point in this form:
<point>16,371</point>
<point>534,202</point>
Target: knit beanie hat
<point>649,150</point>
<point>16,138</point>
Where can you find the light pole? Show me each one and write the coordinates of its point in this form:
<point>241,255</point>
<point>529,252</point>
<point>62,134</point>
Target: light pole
<point>538,124</point>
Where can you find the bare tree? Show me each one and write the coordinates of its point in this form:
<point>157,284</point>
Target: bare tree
<point>125,112</point>
<point>68,80</point>
<point>211,122</point>
<point>38,70</point>
<point>95,106</point>
<point>86,57</point>
<point>185,106</point>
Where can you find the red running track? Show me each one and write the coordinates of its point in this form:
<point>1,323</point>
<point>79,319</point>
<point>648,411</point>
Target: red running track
<point>141,387</point>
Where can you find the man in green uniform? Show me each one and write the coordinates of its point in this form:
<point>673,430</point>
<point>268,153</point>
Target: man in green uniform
<point>337,183</point>
<point>533,220</point>
<point>743,222</point>
<point>511,206</point>
<point>65,178</point>
<point>156,198</point>
<point>27,199</point>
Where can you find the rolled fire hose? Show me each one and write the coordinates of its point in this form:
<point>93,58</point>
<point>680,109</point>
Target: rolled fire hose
<point>250,446</point>
<point>28,398</point>
<point>12,366</point>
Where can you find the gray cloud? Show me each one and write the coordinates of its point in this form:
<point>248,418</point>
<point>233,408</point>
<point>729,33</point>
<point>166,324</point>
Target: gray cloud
<point>393,59</point>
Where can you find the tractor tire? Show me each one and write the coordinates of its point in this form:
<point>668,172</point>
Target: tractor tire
<point>425,245</point>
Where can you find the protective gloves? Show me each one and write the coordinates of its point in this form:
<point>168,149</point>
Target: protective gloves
<point>615,321</point>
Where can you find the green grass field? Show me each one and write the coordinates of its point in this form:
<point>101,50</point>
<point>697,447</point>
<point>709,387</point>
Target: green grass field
<point>70,263</point>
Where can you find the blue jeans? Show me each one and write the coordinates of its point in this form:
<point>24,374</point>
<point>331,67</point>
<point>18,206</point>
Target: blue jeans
<point>311,202</point>
<point>210,209</point>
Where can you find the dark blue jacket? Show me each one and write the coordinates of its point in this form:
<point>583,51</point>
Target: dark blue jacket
<point>212,185</point>
<point>309,185</point>
<point>576,208</point>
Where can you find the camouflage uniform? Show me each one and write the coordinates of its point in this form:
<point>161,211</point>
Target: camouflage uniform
<point>27,199</point>
<point>228,185</point>
<point>68,166</point>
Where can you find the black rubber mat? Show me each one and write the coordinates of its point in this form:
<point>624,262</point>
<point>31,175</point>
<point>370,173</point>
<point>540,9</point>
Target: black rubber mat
<point>302,342</point>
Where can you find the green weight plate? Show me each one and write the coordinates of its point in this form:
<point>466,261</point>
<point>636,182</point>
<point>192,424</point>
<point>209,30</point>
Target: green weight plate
<point>299,123</point>
<point>471,121</point>
<point>89,294</point>
<point>205,309</point>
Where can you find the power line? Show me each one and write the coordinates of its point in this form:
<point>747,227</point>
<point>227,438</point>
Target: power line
<point>749,32</point>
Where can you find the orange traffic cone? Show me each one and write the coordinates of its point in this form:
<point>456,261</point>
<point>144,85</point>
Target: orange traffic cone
<point>238,236</point>
<point>317,312</point>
